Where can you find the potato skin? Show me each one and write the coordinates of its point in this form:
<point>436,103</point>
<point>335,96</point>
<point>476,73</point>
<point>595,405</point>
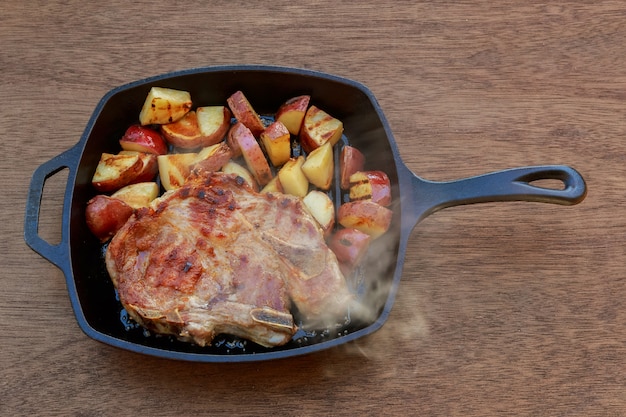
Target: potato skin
<point>372,185</point>
<point>187,133</point>
<point>184,133</point>
<point>350,246</point>
<point>350,161</point>
<point>116,171</point>
<point>318,128</point>
<point>149,170</point>
<point>105,215</point>
<point>245,113</point>
<point>231,141</point>
<point>143,139</point>
<point>366,216</point>
<point>291,113</point>
<point>219,155</point>
<point>277,143</point>
<point>253,155</point>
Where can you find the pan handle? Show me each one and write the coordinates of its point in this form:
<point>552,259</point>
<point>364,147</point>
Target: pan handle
<point>517,184</point>
<point>58,253</point>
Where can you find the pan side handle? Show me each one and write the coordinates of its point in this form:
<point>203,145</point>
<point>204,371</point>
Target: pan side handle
<point>58,253</point>
<point>517,184</point>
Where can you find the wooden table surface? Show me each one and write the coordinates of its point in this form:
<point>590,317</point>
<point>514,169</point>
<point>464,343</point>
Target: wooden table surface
<point>504,308</point>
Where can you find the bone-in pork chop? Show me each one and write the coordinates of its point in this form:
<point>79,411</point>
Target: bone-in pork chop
<point>216,257</point>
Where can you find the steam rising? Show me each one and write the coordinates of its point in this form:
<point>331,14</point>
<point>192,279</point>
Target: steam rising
<point>372,283</point>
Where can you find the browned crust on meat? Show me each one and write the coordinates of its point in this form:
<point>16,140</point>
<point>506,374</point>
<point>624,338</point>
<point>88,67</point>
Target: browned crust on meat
<point>215,257</point>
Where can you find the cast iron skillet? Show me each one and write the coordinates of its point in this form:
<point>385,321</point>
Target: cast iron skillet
<point>80,256</point>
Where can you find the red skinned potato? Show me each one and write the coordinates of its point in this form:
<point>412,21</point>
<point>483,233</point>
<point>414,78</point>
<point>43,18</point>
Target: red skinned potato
<point>138,195</point>
<point>319,166</point>
<point>105,215</point>
<point>198,129</point>
<point>164,105</point>
<point>318,128</point>
<point>253,155</point>
<point>366,216</point>
<point>292,178</point>
<point>115,171</point>
<point>234,168</point>
<point>150,167</point>
<point>277,143</point>
<point>143,139</point>
<point>175,168</point>
<point>291,113</point>
<point>350,246</point>
<point>212,158</point>
<point>321,207</point>
<point>214,122</point>
<point>274,186</point>
<point>230,138</point>
<point>244,113</point>
<point>185,132</point>
<point>370,185</point>
<point>351,160</point>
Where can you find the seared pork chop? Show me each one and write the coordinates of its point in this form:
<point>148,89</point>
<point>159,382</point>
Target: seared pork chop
<point>216,257</point>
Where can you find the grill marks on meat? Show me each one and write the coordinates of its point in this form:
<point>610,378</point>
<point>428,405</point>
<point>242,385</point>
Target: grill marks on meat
<point>215,257</point>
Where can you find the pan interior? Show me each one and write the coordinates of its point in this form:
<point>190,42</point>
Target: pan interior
<point>364,128</point>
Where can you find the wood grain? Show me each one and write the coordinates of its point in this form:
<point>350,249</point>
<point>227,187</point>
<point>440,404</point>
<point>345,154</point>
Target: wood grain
<point>504,309</point>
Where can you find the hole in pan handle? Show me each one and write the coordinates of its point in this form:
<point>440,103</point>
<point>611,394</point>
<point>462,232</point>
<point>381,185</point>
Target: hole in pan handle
<point>57,254</point>
<point>514,184</point>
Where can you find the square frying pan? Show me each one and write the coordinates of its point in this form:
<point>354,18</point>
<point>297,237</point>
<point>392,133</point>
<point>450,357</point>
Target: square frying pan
<point>80,255</point>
